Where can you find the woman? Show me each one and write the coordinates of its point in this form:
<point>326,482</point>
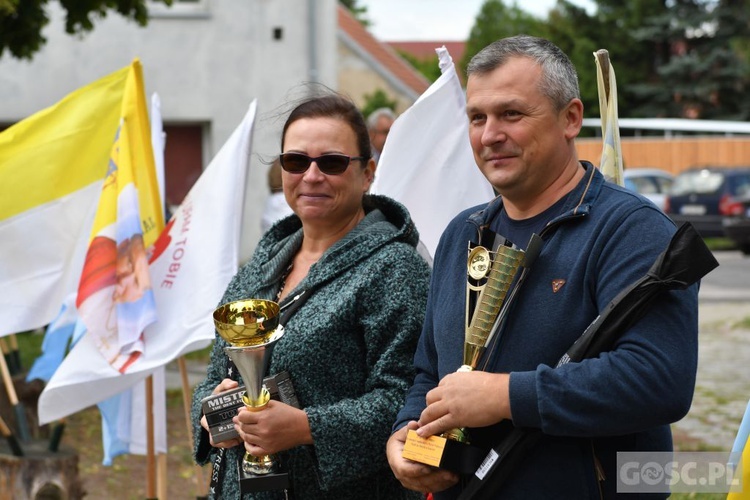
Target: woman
<point>349,347</point>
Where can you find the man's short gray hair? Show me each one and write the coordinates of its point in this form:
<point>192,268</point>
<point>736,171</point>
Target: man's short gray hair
<point>372,120</point>
<point>559,80</point>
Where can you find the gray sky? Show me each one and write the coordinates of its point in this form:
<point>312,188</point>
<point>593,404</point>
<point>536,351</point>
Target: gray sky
<point>436,19</point>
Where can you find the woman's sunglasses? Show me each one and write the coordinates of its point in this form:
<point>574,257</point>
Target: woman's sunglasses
<point>332,164</point>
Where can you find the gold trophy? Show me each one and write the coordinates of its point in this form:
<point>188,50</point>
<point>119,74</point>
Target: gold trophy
<point>251,328</point>
<point>490,275</point>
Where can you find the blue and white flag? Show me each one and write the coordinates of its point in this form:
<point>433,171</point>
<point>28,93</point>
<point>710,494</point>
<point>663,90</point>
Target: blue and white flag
<point>59,333</point>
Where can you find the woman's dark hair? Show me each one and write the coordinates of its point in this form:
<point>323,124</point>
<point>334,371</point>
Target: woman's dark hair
<point>333,106</point>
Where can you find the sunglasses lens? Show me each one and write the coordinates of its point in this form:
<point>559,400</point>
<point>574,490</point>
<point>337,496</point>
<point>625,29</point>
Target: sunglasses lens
<point>332,164</point>
<point>295,162</point>
<point>298,163</point>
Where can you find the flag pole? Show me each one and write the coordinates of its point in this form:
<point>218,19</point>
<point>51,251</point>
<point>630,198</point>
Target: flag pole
<point>611,161</point>
<point>7,356</point>
<point>56,436</point>
<point>186,392</point>
<point>602,56</point>
<point>15,447</point>
<point>23,427</point>
<point>161,475</point>
<point>150,457</point>
<point>15,354</point>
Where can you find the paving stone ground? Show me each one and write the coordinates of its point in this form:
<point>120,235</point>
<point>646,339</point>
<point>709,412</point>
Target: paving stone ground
<point>723,382</point>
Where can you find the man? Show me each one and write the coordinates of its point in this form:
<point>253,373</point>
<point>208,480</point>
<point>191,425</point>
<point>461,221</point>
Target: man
<point>524,113</point>
<point>379,124</point>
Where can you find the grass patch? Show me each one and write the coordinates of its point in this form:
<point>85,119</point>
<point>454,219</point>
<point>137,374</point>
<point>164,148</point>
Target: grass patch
<point>201,354</point>
<point>698,445</point>
<point>29,347</point>
<point>698,496</point>
<point>743,324</point>
<point>714,244</point>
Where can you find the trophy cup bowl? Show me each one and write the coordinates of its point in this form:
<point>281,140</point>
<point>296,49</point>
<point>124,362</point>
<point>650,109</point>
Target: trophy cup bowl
<point>251,328</point>
<point>247,322</point>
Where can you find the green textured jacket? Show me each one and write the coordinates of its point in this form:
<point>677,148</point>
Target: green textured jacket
<point>348,350</point>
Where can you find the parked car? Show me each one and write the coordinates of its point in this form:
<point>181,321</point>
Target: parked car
<point>737,228</point>
<point>707,196</point>
<point>653,183</point>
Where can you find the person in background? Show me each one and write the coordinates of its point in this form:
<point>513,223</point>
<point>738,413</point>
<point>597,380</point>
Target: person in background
<point>379,125</point>
<point>348,348</point>
<point>276,206</point>
<point>524,113</point>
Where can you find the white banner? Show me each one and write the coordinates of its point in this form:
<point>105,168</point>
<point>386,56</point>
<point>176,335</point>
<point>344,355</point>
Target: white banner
<point>427,162</point>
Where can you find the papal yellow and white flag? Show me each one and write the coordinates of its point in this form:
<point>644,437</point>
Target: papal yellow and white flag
<point>115,298</point>
<point>192,262</point>
<point>51,169</point>
<point>611,161</point>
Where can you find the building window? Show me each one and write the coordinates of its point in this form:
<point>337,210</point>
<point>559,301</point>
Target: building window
<point>183,161</point>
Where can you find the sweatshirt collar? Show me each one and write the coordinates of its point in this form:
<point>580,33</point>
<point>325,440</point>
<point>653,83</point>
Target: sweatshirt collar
<point>579,202</point>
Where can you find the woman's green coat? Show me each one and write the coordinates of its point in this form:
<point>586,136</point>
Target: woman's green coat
<point>348,349</point>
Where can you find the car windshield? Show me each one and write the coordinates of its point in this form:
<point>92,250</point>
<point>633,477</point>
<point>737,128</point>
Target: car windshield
<point>643,185</point>
<point>699,181</point>
<point>739,186</point>
<point>665,183</point>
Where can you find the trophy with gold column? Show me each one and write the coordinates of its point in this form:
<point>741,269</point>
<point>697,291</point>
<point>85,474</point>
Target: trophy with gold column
<point>251,328</point>
<point>489,278</point>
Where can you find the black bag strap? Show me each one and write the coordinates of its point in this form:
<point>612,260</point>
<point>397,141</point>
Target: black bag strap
<point>290,305</point>
<point>217,474</point>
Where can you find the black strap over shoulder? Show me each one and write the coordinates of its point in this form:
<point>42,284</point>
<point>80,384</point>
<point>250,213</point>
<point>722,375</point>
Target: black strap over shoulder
<point>290,305</point>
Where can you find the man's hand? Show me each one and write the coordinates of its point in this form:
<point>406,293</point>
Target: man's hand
<point>275,428</point>
<point>466,399</point>
<point>413,475</point>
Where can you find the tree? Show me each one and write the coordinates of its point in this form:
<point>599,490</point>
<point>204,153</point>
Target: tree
<point>635,59</point>
<point>702,69</point>
<point>567,25</point>
<point>429,67</point>
<point>359,12</point>
<point>376,100</point>
<point>21,21</point>
<point>575,31</point>
<point>495,20</point>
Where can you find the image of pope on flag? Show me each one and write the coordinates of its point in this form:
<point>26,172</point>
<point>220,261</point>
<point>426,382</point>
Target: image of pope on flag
<point>115,299</point>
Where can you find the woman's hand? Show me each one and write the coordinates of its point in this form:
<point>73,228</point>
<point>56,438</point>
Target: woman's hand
<point>225,385</point>
<point>275,428</point>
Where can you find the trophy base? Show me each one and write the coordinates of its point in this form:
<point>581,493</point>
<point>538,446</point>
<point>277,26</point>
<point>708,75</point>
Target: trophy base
<point>443,453</point>
<point>253,483</point>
